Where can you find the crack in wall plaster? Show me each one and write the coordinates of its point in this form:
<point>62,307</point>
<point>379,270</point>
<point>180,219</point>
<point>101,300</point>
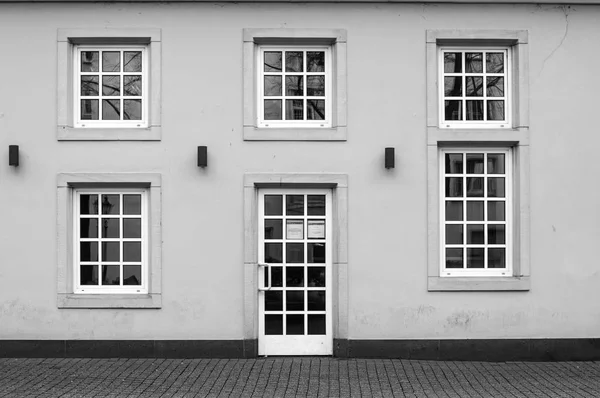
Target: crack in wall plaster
<point>565,10</point>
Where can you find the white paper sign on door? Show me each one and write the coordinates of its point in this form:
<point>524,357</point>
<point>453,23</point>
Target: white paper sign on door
<point>316,229</point>
<point>295,229</point>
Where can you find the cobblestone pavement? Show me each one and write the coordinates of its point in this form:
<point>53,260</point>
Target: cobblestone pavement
<point>289,377</point>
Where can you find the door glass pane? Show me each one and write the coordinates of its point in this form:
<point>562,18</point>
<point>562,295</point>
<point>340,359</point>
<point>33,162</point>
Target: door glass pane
<point>273,300</point>
<point>88,275</point>
<point>316,276</point>
<point>273,205</point>
<point>316,253</point>
<point>316,205</point>
<point>316,300</point>
<point>274,324</point>
<point>273,252</point>
<point>294,276</point>
<point>111,275</point>
<point>316,324</point>
<point>277,277</point>
<point>294,205</point>
<point>475,257</point>
<point>132,274</point>
<point>474,211</point>
<point>294,324</point>
<point>294,253</point>
<point>273,229</point>
<point>294,300</point>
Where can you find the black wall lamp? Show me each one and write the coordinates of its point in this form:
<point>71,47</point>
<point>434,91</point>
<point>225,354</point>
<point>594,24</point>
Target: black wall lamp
<point>202,156</point>
<point>389,158</point>
<point>13,155</point>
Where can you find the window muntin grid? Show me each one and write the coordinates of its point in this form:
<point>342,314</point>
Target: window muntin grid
<point>474,87</point>
<point>476,211</point>
<point>111,86</point>
<point>110,241</point>
<point>294,87</point>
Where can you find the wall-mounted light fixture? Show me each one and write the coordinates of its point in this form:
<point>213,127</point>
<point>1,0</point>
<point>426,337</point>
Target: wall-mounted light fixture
<point>389,158</point>
<point>202,156</point>
<point>13,155</point>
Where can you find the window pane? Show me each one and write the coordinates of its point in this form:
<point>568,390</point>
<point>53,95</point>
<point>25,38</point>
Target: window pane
<point>272,110</point>
<point>132,274</point>
<point>474,187</point>
<point>454,163</point>
<point>494,62</point>
<point>495,163</point>
<point>315,61</point>
<point>88,251</point>
<point>111,61</point>
<point>294,300</point>
<point>276,277</point>
<point>496,187</point>
<point>496,234</point>
<point>454,187</point>
<point>454,234</point>
<point>495,86</point>
<point>316,205</point>
<point>454,258</point>
<point>453,86</point>
<point>88,227</point>
<point>474,211</point>
<point>294,324</point>
<point>110,228</point>
<point>132,251</point>
<point>111,204</point>
<point>495,110</point>
<point>316,324</point>
<point>273,252</point>
<point>111,275</point>
<point>272,61</point>
<point>294,205</point>
<point>315,86</point>
<point>132,61</point>
<point>89,61</point>
<point>88,204</point>
<point>452,62</point>
<point>294,110</point>
<point>273,324</point>
<point>293,61</point>
<point>132,86</point>
<point>475,110</point>
<point>475,163</point>
<point>315,109</point>
<point>496,211</point>
<point>89,85</point>
<point>496,257</point>
<point>475,258</point>
<point>272,85</point>
<point>88,275</point>
<point>294,86</point>
<point>454,211</point>
<point>111,109</point>
<point>316,253</point>
<point>132,227</point>
<point>474,86</point>
<point>273,205</point>
<point>274,301</point>
<point>294,252</point>
<point>111,85</point>
<point>294,276</point>
<point>316,276</point>
<point>453,110</point>
<point>473,62</point>
<point>89,109</point>
<point>132,204</point>
<point>475,234</point>
<point>132,109</point>
<point>273,229</point>
<point>111,251</point>
<point>316,300</point>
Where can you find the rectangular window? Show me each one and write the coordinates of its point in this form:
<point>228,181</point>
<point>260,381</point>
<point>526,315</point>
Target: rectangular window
<point>294,87</point>
<point>111,86</point>
<point>476,210</point>
<point>475,87</point>
<point>110,241</point>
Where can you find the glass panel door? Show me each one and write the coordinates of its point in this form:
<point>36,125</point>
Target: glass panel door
<point>294,256</point>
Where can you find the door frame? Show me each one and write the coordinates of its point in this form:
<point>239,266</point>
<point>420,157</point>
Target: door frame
<point>338,183</point>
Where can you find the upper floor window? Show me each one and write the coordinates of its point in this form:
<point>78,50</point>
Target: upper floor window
<point>474,89</point>
<point>295,87</point>
<point>111,87</point>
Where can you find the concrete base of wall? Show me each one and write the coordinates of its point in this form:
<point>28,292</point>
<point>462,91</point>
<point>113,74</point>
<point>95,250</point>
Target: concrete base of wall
<point>461,350</point>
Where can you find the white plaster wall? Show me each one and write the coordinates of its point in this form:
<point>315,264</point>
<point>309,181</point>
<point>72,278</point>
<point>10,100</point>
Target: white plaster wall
<point>203,209</point>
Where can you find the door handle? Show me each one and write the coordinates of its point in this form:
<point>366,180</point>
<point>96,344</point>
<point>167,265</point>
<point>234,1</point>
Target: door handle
<point>267,269</point>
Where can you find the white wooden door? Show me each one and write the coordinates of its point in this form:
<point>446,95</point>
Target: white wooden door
<point>294,256</point>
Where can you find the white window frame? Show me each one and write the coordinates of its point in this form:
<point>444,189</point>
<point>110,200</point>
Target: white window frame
<point>111,289</point>
<point>504,124</point>
<point>261,122</point>
<point>508,217</point>
<point>84,123</point>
